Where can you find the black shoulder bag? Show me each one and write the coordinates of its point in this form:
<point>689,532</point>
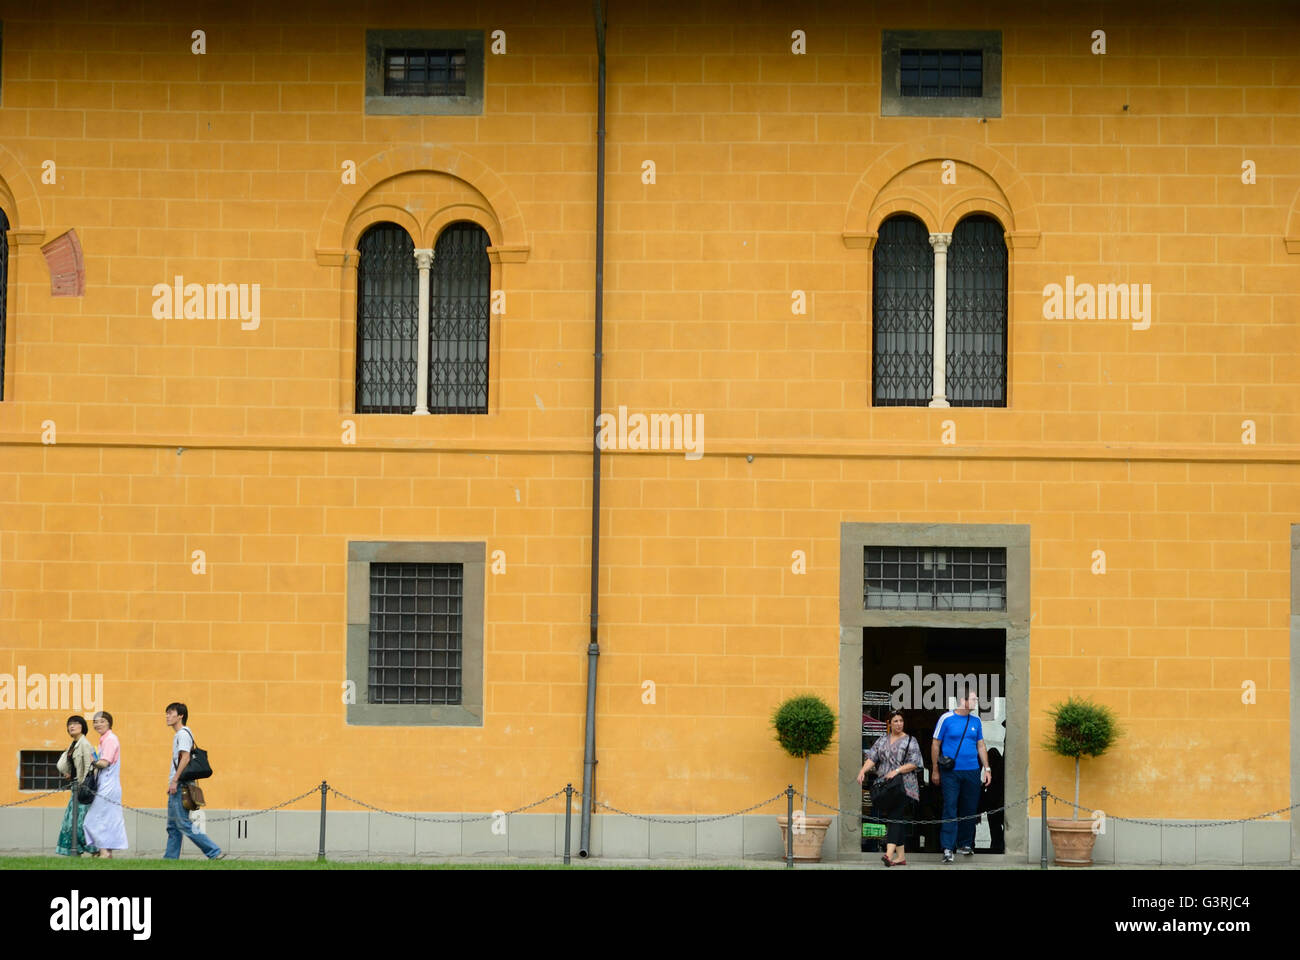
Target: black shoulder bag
<point>885,791</point>
<point>88,787</point>
<point>946,762</point>
<point>198,768</point>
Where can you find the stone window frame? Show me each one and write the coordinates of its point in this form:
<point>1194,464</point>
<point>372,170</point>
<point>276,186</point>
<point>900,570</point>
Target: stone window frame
<point>472,556</point>
<point>854,616</point>
<point>894,104</point>
<point>377,41</point>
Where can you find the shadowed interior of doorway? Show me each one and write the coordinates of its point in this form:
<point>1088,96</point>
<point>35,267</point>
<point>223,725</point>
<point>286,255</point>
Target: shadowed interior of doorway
<point>922,671</point>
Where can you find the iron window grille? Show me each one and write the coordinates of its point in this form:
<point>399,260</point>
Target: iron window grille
<point>460,278</point>
<point>902,312</point>
<point>424,73</point>
<point>977,314</point>
<point>387,320</point>
<point>37,770</point>
<point>935,578</point>
<point>941,73</point>
<point>4,293</point>
<point>416,612</point>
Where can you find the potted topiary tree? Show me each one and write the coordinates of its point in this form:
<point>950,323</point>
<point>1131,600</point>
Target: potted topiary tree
<point>1080,728</point>
<point>805,727</point>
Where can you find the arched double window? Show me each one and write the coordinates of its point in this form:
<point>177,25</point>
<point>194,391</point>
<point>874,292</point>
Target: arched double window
<point>973,321</point>
<point>455,367</point>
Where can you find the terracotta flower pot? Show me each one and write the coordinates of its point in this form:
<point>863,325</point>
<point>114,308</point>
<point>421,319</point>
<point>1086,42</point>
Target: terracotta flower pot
<point>1072,841</point>
<point>808,842</point>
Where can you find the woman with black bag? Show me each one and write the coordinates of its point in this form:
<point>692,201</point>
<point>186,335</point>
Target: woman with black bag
<point>76,764</point>
<point>895,790</point>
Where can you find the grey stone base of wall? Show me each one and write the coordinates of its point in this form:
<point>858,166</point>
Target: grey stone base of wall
<point>1183,842</point>
<point>363,834</point>
<point>360,834</point>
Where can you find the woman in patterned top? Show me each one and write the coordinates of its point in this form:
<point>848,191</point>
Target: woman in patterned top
<point>895,754</point>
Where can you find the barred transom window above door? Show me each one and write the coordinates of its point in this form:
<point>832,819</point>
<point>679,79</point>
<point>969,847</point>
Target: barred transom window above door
<point>393,373</point>
<point>939,314</point>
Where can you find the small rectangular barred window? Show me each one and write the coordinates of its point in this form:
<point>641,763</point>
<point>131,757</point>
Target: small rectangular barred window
<point>416,628</point>
<point>935,578</point>
<point>941,73</point>
<point>37,770</point>
<point>424,73</point>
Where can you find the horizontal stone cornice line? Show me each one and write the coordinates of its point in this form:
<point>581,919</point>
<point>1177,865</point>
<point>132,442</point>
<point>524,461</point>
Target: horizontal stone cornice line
<point>794,449</point>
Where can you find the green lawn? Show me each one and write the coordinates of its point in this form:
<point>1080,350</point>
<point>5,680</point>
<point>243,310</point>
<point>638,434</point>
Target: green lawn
<point>230,863</point>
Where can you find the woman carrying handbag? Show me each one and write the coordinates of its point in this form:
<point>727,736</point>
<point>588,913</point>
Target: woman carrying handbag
<point>75,764</point>
<point>895,790</point>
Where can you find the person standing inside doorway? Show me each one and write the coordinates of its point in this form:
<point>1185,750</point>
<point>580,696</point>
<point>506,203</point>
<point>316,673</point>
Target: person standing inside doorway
<point>178,820</point>
<point>961,739</point>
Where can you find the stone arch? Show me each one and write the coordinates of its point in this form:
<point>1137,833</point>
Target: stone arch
<point>889,182</point>
<point>367,217</point>
<point>977,201</point>
<point>918,207</point>
<point>480,188</point>
<point>440,220</point>
<point>19,199</point>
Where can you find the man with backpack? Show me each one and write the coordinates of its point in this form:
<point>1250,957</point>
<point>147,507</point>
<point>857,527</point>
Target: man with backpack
<point>178,819</point>
<point>956,754</point>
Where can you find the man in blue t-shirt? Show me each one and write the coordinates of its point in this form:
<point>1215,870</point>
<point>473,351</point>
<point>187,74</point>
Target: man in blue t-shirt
<point>961,737</point>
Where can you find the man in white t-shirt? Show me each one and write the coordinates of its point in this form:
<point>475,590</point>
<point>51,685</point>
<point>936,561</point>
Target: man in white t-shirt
<point>178,818</point>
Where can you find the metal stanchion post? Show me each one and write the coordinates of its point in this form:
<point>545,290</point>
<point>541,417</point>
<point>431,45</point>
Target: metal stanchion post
<point>76,849</point>
<point>324,788</point>
<point>568,819</point>
<point>1042,853</point>
<point>789,826</point>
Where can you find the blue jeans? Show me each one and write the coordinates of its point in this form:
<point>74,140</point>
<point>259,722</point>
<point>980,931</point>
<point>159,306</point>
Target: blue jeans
<point>961,794</point>
<point>178,825</point>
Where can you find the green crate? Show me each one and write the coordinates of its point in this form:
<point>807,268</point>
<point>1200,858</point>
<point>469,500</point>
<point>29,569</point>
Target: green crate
<point>873,829</point>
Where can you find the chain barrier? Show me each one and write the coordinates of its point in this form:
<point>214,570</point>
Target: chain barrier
<point>458,819</point>
<point>724,816</point>
<point>207,819</point>
<point>973,816</point>
<point>576,793</point>
<point>39,796</point>
<point>1158,823</point>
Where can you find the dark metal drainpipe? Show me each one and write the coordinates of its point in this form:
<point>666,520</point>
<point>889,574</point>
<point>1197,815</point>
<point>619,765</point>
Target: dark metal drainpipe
<point>593,648</point>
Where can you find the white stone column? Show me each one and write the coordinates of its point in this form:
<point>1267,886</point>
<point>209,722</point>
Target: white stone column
<point>424,260</point>
<point>940,243</point>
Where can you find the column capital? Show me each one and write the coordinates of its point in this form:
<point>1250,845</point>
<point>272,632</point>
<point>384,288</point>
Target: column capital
<point>940,241</point>
<point>424,257</point>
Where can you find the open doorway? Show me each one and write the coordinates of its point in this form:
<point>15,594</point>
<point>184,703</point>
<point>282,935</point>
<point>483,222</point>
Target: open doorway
<point>920,670</point>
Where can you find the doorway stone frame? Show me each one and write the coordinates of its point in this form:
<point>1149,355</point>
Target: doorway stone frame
<point>1295,689</point>
<point>854,537</point>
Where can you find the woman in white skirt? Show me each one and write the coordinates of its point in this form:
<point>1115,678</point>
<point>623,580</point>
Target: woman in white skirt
<point>104,825</point>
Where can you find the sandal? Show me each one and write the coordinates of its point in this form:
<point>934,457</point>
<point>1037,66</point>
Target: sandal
<point>884,858</point>
<point>898,863</point>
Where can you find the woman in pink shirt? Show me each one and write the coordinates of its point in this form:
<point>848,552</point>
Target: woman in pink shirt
<point>105,827</point>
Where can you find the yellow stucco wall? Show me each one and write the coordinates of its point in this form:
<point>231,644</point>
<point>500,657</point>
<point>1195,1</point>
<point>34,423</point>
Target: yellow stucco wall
<point>772,170</point>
